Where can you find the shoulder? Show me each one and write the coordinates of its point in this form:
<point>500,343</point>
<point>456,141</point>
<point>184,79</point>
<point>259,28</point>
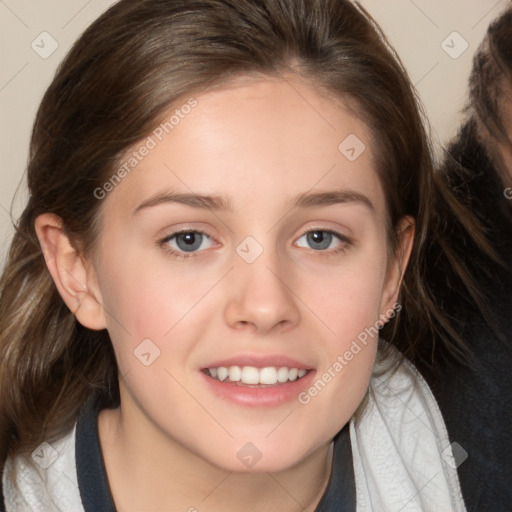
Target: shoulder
<point>44,480</point>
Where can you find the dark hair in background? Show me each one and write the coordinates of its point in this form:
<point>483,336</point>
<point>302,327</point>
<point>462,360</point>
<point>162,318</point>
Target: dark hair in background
<point>117,82</point>
<point>491,90</point>
<point>480,145</point>
<point>476,399</point>
<point>476,173</point>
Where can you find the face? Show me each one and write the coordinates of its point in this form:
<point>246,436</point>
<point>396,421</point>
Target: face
<point>240,263</point>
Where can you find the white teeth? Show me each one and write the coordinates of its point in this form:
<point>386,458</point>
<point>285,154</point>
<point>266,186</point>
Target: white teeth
<point>252,375</point>
<point>222,373</point>
<point>282,374</point>
<point>235,373</point>
<point>268,376</point>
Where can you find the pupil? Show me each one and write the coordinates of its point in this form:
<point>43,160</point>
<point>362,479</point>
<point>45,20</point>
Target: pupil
<point>322,239</point>
<point>189,241</point>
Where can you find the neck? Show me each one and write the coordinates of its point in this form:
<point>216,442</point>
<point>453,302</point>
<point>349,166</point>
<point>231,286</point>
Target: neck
<point>151,472</point>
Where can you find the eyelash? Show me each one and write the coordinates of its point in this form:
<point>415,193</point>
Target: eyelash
<point>180,255</point>
<point>163,243</point>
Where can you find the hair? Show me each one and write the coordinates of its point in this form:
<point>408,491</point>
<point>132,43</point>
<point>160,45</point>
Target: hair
<point>474,164</point>
<point>114,86</point>
<point>491,89</point>
<point>475,171</point>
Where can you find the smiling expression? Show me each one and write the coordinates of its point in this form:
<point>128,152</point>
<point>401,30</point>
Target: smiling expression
<point>245,253</point>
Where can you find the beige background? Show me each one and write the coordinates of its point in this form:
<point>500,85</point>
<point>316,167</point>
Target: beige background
<point>417,29</point>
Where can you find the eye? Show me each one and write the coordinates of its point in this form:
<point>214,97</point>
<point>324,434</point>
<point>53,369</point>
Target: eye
<point>187,242</point>
<point>321,239</point>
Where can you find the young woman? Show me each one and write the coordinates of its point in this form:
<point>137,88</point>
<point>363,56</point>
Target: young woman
<point>224,199</point>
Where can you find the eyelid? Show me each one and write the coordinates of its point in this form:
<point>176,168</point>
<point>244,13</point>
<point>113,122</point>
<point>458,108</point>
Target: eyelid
<point>162,242</point>
<point>184,230</point>
<point>339,232</point>
<point>344,240</point>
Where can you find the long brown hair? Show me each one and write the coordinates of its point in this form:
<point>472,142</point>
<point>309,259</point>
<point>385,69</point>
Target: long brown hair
<point>111,90</point>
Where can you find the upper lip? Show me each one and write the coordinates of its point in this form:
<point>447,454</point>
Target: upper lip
<point>260,361</point>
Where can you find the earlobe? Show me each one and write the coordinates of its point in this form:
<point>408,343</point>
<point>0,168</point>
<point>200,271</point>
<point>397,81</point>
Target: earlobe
<point>396,271</point>
<point>72,277</point>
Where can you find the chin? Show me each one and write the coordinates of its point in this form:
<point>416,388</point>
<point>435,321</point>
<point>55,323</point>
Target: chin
<point>256,466</point>
<point>260,455</point>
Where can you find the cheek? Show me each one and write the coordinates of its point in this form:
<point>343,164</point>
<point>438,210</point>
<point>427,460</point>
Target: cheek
<point>349,308</point>
<point>158,313</point>
<point>148,299</point>
<point>347,298</point>
<point>151,331</point>
<point>347,302</point>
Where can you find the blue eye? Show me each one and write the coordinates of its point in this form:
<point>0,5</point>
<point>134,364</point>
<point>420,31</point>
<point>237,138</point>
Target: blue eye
<point>188,241</point>
<point>183,244</point>
<point>321,239</point>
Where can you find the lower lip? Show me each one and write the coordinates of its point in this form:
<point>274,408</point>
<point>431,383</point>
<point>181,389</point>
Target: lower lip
<point>259,396</point>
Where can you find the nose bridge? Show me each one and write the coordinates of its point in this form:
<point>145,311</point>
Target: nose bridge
<point>259,295</point>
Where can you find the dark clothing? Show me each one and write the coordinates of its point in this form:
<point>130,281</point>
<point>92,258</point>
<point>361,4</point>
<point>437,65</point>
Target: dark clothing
<point>476,401</point>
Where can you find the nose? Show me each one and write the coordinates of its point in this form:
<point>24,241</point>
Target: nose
<point>262,298</point>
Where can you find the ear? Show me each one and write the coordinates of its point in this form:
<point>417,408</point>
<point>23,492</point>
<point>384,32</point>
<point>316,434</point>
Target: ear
<point>397,267</point>
<point>73,277</point>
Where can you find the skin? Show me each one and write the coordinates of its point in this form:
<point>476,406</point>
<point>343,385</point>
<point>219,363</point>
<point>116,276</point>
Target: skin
<point>172,444</point>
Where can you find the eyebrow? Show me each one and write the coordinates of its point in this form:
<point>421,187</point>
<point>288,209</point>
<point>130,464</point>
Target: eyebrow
<point>223,203</point>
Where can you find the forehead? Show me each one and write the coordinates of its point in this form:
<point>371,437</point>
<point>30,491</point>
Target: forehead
<point>254,141</point>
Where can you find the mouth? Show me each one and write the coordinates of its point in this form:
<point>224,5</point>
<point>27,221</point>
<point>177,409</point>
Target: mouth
<point>252,376</point>
<point>257,380</point>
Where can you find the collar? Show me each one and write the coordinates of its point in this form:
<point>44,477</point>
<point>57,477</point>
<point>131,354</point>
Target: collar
<point>95,492</point>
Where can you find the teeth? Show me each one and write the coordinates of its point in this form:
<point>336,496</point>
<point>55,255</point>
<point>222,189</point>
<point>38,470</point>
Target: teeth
<point>222,373</point>
<point>235,373</point>
<point>282,374</point>
<point>268,376</point>
<point>252,375</point>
